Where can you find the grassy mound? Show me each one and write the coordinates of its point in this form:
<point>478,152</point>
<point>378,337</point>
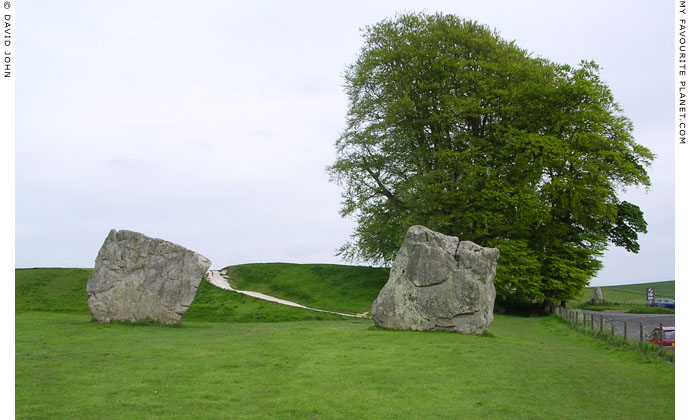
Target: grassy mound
<point>217,305</point>
<point>51,290</point>
<point>339,288</point>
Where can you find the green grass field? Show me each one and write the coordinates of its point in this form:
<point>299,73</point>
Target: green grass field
<point>68,367</point>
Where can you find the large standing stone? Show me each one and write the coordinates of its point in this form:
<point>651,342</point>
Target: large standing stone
<point>438,283</point>
<point>598,296</point>
<point>137,278</point>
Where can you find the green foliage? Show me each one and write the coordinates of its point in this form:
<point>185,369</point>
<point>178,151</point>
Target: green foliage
<point>514,304</point>
<point>519,271</point>
<point>67,367</point>
<point>629,221</point>
<point>452,127</point>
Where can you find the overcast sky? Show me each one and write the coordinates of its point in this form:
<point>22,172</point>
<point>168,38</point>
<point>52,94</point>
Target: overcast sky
<point>210,123</point>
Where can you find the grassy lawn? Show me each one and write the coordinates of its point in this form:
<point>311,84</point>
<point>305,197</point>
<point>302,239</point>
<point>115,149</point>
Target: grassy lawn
<point>528,368</point>
<point>317,366</point>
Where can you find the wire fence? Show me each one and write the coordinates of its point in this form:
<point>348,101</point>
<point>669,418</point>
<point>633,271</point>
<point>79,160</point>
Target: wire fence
<point>620,327</point>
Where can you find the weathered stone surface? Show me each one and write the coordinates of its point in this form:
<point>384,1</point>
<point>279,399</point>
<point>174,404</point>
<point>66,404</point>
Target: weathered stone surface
<point>438,282</point>
<point>137,278</point>
<point>598,296</point>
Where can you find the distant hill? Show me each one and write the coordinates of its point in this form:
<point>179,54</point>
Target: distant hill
<point>631,293</point>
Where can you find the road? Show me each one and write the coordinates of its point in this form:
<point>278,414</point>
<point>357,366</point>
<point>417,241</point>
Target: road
<point>648,321</point>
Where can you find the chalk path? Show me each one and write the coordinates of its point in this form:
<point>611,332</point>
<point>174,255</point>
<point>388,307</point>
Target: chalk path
<point>217,278</point>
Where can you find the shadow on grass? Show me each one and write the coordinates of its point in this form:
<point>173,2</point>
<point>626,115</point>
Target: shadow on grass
<point>394,331</point>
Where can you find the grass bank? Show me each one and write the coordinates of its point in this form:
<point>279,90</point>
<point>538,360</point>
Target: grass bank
<point>339,288</point>
<point>51,290</point>
<point>332,287</point>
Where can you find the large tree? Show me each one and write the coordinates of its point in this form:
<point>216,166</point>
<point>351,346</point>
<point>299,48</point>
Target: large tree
<point>454,128</point>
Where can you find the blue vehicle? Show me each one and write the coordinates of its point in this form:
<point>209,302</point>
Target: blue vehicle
<point>666,303</point>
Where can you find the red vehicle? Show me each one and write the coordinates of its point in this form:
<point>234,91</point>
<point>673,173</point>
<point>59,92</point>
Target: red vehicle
<point>668,338</point>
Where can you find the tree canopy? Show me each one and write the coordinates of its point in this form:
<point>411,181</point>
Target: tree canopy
<point>452,127</point>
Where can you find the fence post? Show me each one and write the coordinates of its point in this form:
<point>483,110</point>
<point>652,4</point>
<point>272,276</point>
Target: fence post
<point>625,331</point>
<point>641,333</point>
<point>612,330</point>
<point>591,320</point>
<point>601,323</point>
<point>661,336</point>
<point>584,321</point>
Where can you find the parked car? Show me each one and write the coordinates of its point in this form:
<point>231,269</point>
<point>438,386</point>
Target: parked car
<point>668,337</point>
<point>666,303</point>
